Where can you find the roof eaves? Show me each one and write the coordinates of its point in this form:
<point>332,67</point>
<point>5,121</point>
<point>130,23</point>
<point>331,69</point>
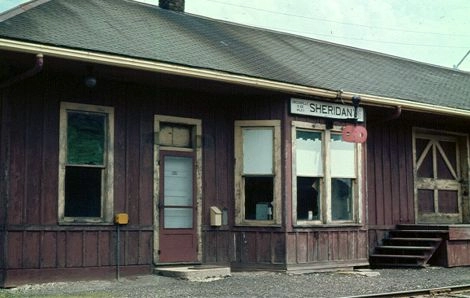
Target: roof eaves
<point>162,67</point>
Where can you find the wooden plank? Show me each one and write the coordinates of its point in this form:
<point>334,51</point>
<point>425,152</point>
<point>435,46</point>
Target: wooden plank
<point>386,174</point>
<point>223,156</point>
<point>394,175</point>
<point>324,247</point>
<point>459,233</point>
<point>210,246</point>
<point>145,248</point>
<point>15,252</point>
<point>106,248</point>
<point>458,253</point>
<point>146,166</point>
<point>291,252</point>
<point>371,170</point>
<point>312,247</point>
<point>344,246</point>
<point>33,159</point>
<point>49,250</point>
<point>17,161</point>
<point>90,256</point>
<point>302,247</point>
<point>279,248</point>
<point>74,249</point>
<point>132,156</point>
<point>223,247</point>
<point>61,249</point>
<point>408,135</point>
<point>132,244</point>
<point>263,246</point>
<point>251,249</point>
<point>120,149</point>
<point>31,249</point>
<point>377,157</point>
<point>406,215</point>
<point>49,180</point>
<point>362,245</point>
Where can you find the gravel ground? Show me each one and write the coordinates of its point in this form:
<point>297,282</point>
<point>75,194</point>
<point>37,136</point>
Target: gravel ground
<point>255,284</point>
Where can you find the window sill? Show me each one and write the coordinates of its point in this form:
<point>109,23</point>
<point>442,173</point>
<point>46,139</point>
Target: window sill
<point>261,223</point>
<point>329,225</point>
<point>83,221</point>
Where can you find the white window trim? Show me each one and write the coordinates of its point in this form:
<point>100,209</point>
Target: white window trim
<point>107,192</point>
<point>325,199</point>
<point>239,181</point>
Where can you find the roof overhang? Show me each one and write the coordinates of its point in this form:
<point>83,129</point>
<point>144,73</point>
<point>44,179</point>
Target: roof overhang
<point>160,67</point>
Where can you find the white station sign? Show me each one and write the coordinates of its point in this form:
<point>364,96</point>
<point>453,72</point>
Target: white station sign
<point>324,109</point>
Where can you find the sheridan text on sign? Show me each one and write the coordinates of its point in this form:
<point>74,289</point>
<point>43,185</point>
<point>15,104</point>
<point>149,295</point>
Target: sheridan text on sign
<point>324,109</point>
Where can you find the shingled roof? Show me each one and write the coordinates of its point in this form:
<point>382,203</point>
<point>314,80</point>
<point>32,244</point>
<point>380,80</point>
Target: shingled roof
<point>132,29</point>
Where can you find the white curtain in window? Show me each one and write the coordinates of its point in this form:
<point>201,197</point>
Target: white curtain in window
<point>309,154</point>
<point>342,158</point>
<point>258,151</point>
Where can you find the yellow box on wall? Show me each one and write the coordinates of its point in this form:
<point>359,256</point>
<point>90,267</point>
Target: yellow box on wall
<point>121,218</point>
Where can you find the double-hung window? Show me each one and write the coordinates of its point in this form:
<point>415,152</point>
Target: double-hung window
<point>86,163</point>
<point>257,172</point>
<point>326,176</point>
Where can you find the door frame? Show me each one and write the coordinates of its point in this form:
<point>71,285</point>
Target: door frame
<point>197,150</point>
<point>463,161</point>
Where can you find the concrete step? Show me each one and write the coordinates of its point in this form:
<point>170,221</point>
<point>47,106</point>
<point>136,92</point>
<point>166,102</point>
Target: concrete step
<point>200,273</point>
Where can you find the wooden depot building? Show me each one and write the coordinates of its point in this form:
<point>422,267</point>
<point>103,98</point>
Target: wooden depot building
<point>142,136</point>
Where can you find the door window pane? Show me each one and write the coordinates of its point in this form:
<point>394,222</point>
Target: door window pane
<point>178,181</point>
<point>341,199</point>
<point>85,138</point>
<point>178,218</point>
<point>309,153</point>
<point>343,160</point>
<point>258,151</point>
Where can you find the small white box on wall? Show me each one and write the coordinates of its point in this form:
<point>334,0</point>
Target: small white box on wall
<point>216,216</point>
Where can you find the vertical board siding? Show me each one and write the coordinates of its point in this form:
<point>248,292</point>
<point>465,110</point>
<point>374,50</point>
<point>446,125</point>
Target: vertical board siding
<point>33,188</point>
<point>390,193</point>
<point>259,247</point>
<point>49,250</point>
<point>320,246</point>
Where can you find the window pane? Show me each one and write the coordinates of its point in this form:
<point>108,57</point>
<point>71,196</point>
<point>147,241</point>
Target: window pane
<point>341,199</point>
<point>309,153</point>
<point>308,198</point>
<point>258,151</point>
<point>85,138</point>
<point>258,197</point>
<point>82,192</point>
<point>343,158</point>
<point>178,181</point>
<point>178,218</point>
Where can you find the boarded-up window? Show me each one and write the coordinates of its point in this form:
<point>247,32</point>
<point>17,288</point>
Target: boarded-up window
<point>176,135</point>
